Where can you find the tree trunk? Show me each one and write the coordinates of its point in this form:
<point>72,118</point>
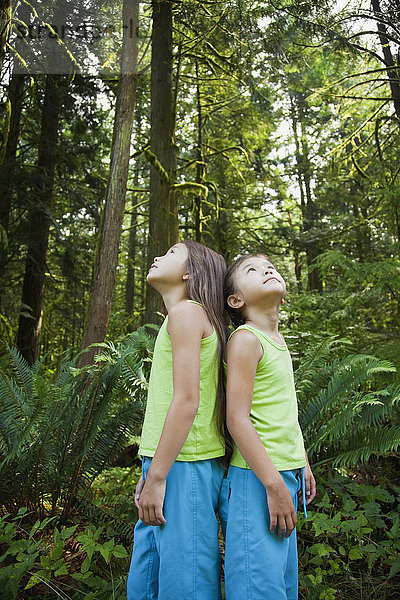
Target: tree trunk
<point>130,275</point>
<point>5,21</point>
<point>132,241</point>
<point>15,96</point>
<point>389,61</point>
<point>200,164</point>
<point>307,204</point>
<point>28,335</point>
<point>163,228</point>
<point>113,213</point>
<point>7,167</point>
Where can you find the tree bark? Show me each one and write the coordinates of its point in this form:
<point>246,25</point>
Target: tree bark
<point>29,327</point>
<point>393,75</point>
<point>15,96</point>
<point>113,213</point>
<point>200,163</point>
<point>5,22</point>
<point>130,275</point>
<point>307,204</point>
<point>7,167</point>
<point>163,220</point>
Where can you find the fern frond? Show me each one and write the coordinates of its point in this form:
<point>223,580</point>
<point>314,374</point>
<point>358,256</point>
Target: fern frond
<point>348,375</point>
<point>372,442</point>
<point>22,370</point>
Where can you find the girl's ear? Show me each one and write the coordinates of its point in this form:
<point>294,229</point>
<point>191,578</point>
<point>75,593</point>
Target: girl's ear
<point>235,301</point>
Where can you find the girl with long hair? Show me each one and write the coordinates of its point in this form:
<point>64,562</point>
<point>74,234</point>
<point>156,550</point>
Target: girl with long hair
<point>175,553</point>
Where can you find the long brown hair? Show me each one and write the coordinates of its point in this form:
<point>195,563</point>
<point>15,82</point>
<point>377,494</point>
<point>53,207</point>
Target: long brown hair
<point>205,285</point>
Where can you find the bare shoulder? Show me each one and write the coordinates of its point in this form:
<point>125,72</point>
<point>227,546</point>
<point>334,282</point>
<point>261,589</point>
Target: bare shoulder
<point>184,309</point>
<point>242,344</point>
<point>186,315</point>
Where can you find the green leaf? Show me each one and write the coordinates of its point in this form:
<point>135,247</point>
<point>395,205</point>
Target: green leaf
<point>355,553</point>
<point>120,552</point>
<point>86,564</point>
<point>395,568</point>
<point>67,532</point>
<point>82,576</point>
<point>63,570</point>
<point>34,580</point>
<point>45,561</point>
<point>56,551</point>
<point>320,549</point>
<point>106,553</point>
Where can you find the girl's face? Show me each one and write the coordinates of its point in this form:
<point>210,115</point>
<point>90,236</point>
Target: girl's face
<point>170,268</point>
<point>257,280</point>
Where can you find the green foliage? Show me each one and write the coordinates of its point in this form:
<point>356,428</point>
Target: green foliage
<point>59,431</point>
<point>114,491</point>
<point>66,563</point>
<point>349,546</point>
<point>347,413</point>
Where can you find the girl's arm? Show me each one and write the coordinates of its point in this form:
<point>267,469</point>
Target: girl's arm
<point>186,327</point>
<point>243,355</point>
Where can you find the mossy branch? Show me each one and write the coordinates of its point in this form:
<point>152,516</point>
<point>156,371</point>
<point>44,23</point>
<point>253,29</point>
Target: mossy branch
<point>191,186</point>
<point>153,160</point>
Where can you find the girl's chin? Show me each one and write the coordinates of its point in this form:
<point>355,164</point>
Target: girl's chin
<point>150,278</point>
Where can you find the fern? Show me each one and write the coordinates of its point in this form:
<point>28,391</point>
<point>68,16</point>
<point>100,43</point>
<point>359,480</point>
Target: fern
<point>59,431</point>
<point>346,413</point>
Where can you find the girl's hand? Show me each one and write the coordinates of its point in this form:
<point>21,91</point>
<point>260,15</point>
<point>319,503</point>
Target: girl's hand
<point>281,508</point>
<point>138,491</point>
<point>151,502</point>
<point>311,487</point>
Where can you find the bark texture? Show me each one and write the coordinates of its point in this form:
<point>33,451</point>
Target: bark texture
<point>163,220</point>
<point>30,321</point>
<point>113,213</point>
<point>393,74</point>
<point>7,167</point>
<point>5,22</point>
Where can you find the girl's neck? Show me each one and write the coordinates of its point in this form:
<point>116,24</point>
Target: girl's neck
<point>173,296</point>
<point>266,321</point>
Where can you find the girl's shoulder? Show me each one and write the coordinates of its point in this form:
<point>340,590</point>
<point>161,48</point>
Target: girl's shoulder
<point>242,333</point>
<point>185,308</point>
<point>244,343</point>
<point>185,316</point>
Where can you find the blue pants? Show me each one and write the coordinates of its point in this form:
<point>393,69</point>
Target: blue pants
<point>259,565</point>
<point>180,560</point>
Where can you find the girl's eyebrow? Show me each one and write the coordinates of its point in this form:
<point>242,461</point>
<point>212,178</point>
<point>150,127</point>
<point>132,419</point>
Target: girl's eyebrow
<point>268,264</point>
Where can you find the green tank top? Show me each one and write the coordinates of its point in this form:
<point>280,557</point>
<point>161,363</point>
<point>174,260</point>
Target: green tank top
<point>203,441</point>
<point>274,407</point>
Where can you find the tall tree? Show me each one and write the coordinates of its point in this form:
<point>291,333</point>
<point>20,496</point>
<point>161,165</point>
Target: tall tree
<point>163,223</point>
<point>393,73</point>
<point>30,319</point>
<point>113,213</point>
<point>5,22</point>
<point>7,165</point>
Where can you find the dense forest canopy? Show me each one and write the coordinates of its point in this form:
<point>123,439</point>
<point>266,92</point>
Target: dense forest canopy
<point>283,131</point>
